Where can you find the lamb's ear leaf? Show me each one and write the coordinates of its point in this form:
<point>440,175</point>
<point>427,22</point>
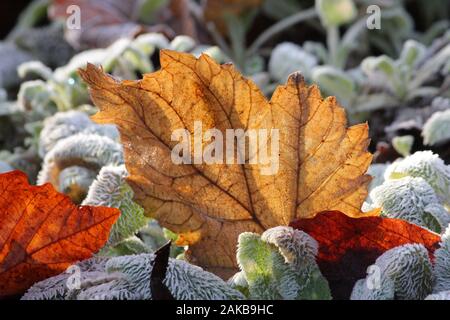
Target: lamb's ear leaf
<point>279,264</point>
<point>159,271</point>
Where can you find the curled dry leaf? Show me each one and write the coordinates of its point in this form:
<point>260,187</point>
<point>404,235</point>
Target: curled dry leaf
<point>42,232</point>
<point>102,21</point>
<point>348,246</point>
<point>321,163</point>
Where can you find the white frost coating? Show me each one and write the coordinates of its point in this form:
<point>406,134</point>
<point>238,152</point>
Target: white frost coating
<point>82,149</point>
<point>57,287</point>
<point>410,269</point>
<point>443,295</point>
<point>442,263</point>
<point>110,189</point>
<point>287,58</point>
<point>413,200</point>
<point>297,247</point>
<point>426,165</point>
<point>405,274</point>
<point>362,291</point>
<point>74,150</point>
<point>65,124</point>
<point>60,126</point>
<point>437,128</point>
<point>189,282</point>
<point>128,277</point>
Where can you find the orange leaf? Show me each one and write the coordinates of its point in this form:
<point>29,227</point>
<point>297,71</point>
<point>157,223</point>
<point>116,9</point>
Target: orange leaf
<point>320,163</point>
<point>42,232</point>
<point>348,246</point>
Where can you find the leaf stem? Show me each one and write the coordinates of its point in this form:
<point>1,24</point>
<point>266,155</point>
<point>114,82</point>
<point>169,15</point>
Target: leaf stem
<point>333,45</point>
<point>280,26</point>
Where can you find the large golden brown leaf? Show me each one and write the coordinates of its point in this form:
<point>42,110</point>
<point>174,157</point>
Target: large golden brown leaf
<point>321,161</point>
<point>42,232</point>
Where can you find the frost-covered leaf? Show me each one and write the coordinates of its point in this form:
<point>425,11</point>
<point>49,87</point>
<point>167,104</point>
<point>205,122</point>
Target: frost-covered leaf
<point>335,82</point>
<point>128,277</point>
<point>65,124</point>
<point>182,43</point>
<point>279,264</point>
<point>442,264</point>
<point>412,52</point>
<point>404,273</point>
<point>110,190</point>
<point>34,98</point>
<point>437,128</point>
<point>87,151</point>
<point>425,165</point>
<point>287,58</point>
<point>413,200</point>
<point>57,287</point>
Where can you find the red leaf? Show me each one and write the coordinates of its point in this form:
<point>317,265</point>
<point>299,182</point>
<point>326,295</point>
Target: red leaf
<point>348,246</point>
<point>42,232</point>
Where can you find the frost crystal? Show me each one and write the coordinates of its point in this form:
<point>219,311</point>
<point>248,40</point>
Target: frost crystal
<point>279,264</point>
<point>413,200</point>
<point>404,273</point>
<point>128,277</point>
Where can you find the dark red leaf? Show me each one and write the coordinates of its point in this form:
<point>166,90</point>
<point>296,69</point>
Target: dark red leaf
<point>42,232</point>
<point>347,246</point>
